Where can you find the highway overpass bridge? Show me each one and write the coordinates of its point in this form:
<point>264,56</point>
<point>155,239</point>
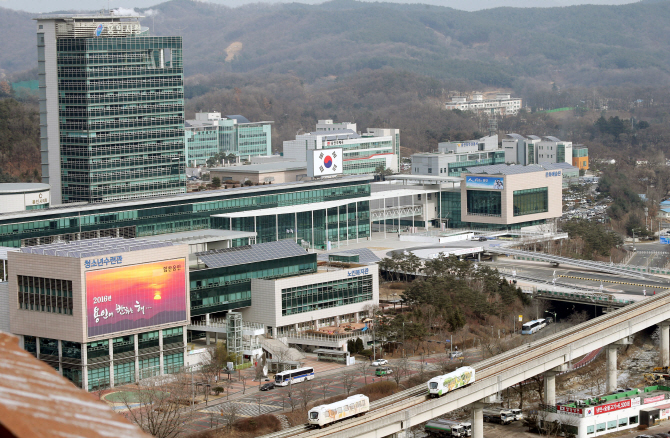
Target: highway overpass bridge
<point>616,269</point>
<point>548,356</point>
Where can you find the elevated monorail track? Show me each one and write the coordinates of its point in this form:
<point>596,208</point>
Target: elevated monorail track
<point>496,373</point>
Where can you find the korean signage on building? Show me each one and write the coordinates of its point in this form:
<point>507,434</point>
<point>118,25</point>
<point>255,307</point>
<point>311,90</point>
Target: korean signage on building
<point>654,399</point>
<point>569,410</point>
<point>132,297</point>
<point>615,406</point>
<point>484,182</point>
<point>324,162</point>
<point>552,173</point>
<point>36,198</point>
<point>357,272</point>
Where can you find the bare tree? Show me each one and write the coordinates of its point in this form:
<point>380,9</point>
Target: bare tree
<point>230,412</point>
<point>324,385</point>
<point>305,392</point>
<point>243,379</point>
<point>162,401</point>
<point>445,364</point>
<point>282,355</point>
<point>363,368</point>
<point>293,400</point>
<point>400,369</point>
<point>348,381</point>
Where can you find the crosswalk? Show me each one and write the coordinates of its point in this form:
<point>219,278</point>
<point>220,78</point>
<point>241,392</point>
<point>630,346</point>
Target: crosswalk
<point>245,409</point>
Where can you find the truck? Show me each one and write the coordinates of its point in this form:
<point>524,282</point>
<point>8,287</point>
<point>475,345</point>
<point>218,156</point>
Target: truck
<point>442,427</point>
<point>498,416</point>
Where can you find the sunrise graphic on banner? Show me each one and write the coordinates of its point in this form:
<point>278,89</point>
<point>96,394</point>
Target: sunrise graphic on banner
<point>133,297</point>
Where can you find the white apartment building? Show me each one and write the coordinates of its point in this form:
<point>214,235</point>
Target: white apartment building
<point>363,153</point>
<point>502,105</point>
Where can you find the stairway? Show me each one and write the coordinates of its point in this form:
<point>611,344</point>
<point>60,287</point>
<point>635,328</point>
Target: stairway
<point>279,350</point>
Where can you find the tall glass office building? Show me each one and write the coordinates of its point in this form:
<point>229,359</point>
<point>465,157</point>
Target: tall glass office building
<point>111,109</point>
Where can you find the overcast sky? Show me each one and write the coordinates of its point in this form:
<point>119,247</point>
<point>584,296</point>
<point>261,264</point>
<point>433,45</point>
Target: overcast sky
<point>467,5</point>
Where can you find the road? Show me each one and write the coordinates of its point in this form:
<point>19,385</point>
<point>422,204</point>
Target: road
<point>584,279</point>
<point>654,255</point>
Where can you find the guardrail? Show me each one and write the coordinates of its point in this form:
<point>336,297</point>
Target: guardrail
<point>594,297</point>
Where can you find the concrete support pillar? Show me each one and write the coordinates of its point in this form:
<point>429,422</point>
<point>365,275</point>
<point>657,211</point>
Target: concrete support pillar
<point>111,363</point>
<point>84,368</point>
<point>549,380</point>
<point>478,420</point>
<point>60,357</point>
<point>161,366</point>
<point>665,343</point>
<point>137,357</point>
<point>206,338</point>
<point>611,368</point>
<point>296,328</point>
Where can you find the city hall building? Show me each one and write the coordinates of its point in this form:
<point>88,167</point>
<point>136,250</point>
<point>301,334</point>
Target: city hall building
<point>103,312</point>
<point>111,109</point>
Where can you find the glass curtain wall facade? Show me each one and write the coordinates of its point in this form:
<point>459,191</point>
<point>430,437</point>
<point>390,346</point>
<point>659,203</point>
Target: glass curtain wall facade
<point>121,117</point>
<point>173,215</point>
<point>484,203</point>
<point>202,143</point>
<point>317,227</point>
<point>531,201</point>
<point>324,295</point>
<point>253,140</point>
<point>226,288</point>
<point>475,159</point>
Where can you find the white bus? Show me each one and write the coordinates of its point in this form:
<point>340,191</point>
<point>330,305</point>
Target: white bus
<point>532,327</point>
<point>294,376</point>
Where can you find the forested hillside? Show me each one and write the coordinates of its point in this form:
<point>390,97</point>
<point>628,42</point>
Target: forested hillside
<point>589,45</point>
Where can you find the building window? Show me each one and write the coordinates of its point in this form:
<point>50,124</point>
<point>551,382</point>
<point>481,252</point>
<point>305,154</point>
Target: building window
<point>430,170</point>
<point>633,420</point>
<point>325,295</point>
<point>98,378</point>
<point>531,201</point>
<point>124,373</point>
<point>611,425</point>
<point>600,427</point>
<point>623,422</point>
<point>45,294</point>
<point>590,429</point>
<point>484,203</point>
<point>173,363</point>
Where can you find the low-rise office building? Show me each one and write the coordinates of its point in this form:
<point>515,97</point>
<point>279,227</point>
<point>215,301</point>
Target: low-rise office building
<point>102,311</point>
<point>454,158</point>
<point>580,157</point>
<point>535,150</point>
<point>268,173</point>
<point>502,105</point>
<point>610,413</point>
<point>315,300</point>
<point>363,153</point>
<point>24,196</point>
<point>209,134</point>
<point>506,195</point>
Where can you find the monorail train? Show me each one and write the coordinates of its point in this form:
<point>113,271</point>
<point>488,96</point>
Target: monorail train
<point>440,385</point>
<point>353,406</point>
